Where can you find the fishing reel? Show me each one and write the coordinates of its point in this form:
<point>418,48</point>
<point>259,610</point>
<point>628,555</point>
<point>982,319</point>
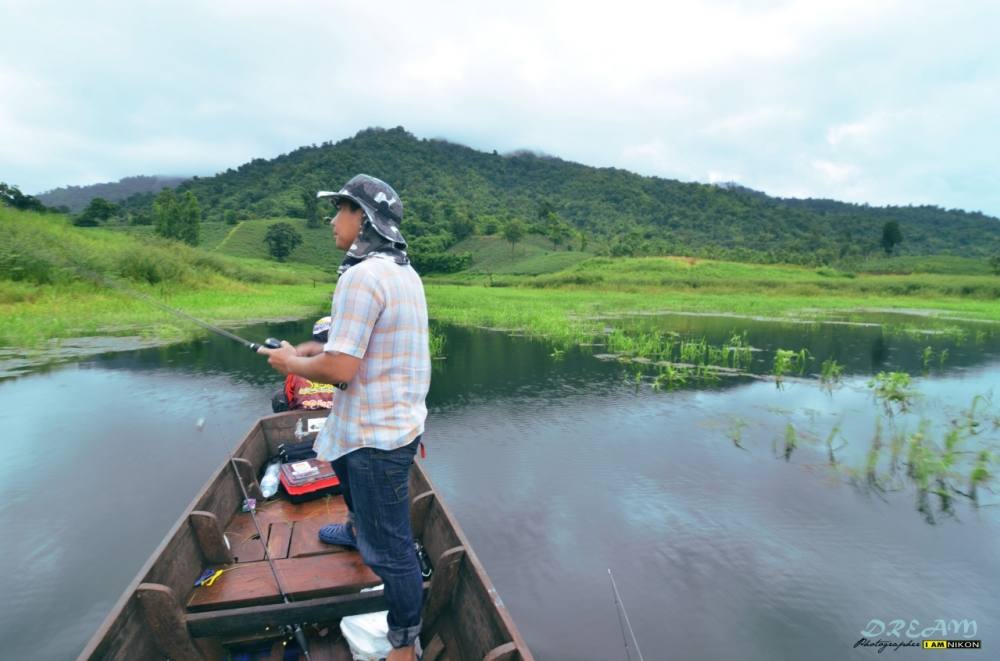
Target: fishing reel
<point>269,343</point>
<point>274,343</point>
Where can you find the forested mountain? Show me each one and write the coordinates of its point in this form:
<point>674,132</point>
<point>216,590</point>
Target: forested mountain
<point>76,198</point>
<point>451,191</point>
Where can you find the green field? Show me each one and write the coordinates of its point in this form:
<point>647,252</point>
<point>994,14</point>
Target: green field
<point>45,294</point>
<point>683,274</point>
<point>54,283</point>
<point>246,239</point>
<point>532,256</point>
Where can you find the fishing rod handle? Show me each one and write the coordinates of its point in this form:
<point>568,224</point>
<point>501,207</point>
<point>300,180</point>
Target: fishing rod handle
<point>269,343</point>
<point>273,343</point>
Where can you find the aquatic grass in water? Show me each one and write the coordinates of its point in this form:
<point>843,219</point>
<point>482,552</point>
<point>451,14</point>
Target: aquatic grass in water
<point>893,390</point>
<point>739,350</point>
<point>926,356</point>
<point>437,345</point>
<point>787,361</point>
<point>830,373</point>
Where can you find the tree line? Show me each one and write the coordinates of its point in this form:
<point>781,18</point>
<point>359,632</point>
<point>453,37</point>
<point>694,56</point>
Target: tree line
<point>451,191</point>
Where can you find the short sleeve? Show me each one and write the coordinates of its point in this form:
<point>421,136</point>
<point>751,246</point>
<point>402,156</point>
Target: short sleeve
<point>357,305</point>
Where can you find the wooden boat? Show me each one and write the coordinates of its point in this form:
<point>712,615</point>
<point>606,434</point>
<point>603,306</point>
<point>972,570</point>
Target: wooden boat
<point>163,615</point>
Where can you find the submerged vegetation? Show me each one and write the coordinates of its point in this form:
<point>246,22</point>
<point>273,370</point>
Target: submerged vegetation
<point>893,390</point>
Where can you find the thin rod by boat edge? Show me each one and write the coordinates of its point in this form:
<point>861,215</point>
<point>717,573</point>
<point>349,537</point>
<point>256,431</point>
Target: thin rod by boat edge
<point>270,343</point>
<point>621,613</point>
<point>297,632</point>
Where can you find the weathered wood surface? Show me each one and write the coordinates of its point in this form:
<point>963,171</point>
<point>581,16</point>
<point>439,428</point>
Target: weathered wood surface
<point>247,620</point>
<point>248,476</point>
<point>165,618</point>
<point>473,622</point>
<point>305,521</point>
<point>443,583</point>
<point>434,649</point>
<point>420,506</point>
<point>505,652</point>
<point>279,538</point>
<point>315,576</point>
<point>208,534</point>
<point>477,620</point>
<point>174,563</point>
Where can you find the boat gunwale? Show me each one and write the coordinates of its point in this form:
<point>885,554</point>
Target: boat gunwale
<point>99,641</point>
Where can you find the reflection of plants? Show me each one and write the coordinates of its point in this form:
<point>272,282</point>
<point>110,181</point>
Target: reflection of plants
<point>893,390</point>
<point>830,372</point>
<point>694,352</point>
<point>786,361</point>
<point>925,356</point>
<point>671,376</point>
<point>736,432</point>
<point>437,344</point>
<point>834,433</point>
<point>942,356</point>
<point>791,440</point>
<point>739,351</point>
<point>980,475</point>
<point>871,460</point>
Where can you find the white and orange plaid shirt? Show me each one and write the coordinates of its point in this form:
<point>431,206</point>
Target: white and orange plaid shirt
<point>379,315</point>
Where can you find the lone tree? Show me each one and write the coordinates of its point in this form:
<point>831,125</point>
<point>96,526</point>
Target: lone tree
<point>891,236</point>
<point>514,231</point>
<point>166,214</point>
<point>177,218</point>
<point>97,211</point>
<point>189,229</point>
<point>995,264</point>
<point>281,240</point>
<point>12,196</point>
<point>311,205</point>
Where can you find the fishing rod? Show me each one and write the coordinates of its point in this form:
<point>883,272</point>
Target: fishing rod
<point>251,507</point>
<point>620,607</point>
<point>269,343</point>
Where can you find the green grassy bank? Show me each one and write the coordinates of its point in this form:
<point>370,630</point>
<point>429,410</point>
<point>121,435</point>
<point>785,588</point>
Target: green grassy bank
<point>44,295</point>
<point>48,287</point>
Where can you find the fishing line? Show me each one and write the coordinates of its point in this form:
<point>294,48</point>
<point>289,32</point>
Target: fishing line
<point>270,343</point>
<point>296,630</point>
<point>622,614</point>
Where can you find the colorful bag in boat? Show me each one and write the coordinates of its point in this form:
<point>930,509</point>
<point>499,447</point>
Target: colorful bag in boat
<point>308,479</point>
<point>301,393</point>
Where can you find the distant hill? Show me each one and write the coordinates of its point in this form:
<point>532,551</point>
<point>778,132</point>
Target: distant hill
<point>449,190</point>
<point>76,198</point>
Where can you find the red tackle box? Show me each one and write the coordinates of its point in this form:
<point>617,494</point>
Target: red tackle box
<point>308,479</point>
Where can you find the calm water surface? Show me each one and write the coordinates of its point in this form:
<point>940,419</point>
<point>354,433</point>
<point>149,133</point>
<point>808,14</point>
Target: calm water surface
<point>557,469</point>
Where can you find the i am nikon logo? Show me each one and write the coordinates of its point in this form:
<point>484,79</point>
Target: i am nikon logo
<point>953,644</point>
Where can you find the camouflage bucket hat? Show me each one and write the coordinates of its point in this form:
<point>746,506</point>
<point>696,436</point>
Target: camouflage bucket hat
<point>377,199</point>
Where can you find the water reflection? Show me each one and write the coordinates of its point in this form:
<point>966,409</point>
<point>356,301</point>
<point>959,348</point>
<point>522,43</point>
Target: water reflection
<point>729,537</point>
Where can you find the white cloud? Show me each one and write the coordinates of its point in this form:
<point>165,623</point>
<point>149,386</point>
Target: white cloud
<point>798,96</point>
<point>836,173</point>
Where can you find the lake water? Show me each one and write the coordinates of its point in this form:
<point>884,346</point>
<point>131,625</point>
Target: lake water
<point>726,541</point>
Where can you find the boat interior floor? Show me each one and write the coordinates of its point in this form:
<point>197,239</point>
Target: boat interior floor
<point>307,567</point>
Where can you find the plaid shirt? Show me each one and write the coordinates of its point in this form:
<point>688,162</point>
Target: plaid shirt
<point>379,315</point>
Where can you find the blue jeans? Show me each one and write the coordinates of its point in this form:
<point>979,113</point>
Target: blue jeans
<point>377,494</point>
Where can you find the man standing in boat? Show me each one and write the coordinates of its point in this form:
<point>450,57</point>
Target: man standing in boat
<point>378,346</point>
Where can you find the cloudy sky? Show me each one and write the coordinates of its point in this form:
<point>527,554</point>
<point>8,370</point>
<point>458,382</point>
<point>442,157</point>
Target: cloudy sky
<point>878,101</point>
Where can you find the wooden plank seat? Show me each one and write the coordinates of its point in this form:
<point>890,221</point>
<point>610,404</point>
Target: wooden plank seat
<point>307,567</point>
<point>251,583</point>
<point>280,518</point>
<point>161,615</point>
